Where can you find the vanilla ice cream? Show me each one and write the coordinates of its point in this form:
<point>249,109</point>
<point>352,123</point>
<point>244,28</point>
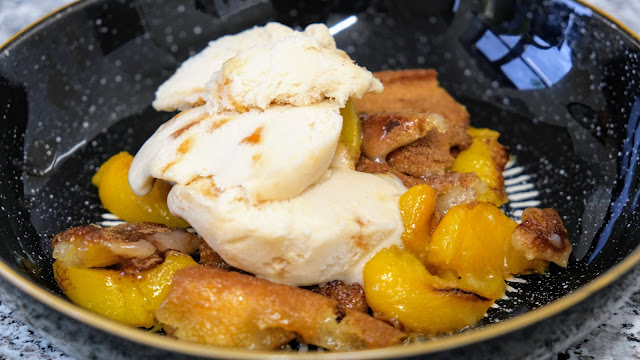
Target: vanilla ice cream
<point>326,233</point>
<point>273,155</point>
<point>256,168</point>
<point>186,88</point>
<point>298,70</point>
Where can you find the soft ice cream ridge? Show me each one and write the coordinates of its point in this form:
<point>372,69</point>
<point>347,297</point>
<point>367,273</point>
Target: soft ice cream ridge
<point>186,88</point>
<point>253,157</point>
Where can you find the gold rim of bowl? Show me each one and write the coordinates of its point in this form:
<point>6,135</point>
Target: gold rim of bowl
<point>440,344</point>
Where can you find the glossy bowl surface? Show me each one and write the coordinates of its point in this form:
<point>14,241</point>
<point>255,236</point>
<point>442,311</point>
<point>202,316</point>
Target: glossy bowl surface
<point>559,80</point>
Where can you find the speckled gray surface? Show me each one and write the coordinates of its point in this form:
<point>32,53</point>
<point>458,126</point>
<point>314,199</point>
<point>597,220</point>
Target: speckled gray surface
<point>615,331</point>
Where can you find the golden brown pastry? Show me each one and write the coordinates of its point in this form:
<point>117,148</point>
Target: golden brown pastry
<point>542,235</point>
<point>226,308</point>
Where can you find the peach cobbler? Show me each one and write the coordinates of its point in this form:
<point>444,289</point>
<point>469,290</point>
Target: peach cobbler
<point>298,196</point>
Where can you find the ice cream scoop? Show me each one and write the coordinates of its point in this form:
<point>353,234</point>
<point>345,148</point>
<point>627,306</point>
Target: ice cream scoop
<point>297,70</point>
<point>326,233</point>
<point>273,154</point>
<point>186,88</point>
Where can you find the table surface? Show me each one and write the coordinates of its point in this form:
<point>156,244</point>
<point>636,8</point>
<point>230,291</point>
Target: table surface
<point>615,335</point>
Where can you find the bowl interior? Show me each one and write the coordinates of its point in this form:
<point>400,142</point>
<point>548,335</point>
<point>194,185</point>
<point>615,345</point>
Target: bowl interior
<point>557,79</point>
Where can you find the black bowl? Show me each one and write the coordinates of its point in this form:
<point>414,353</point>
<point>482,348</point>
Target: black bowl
<point>559,80</point>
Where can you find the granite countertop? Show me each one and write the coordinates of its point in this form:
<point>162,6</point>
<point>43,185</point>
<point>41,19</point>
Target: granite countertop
<point>614,335</point>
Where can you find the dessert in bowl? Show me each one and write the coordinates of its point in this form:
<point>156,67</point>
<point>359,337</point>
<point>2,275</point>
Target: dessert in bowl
<point>478,109</point>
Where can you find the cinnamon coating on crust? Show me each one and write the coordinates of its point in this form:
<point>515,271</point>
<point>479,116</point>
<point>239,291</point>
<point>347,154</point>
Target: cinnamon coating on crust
<point>384,132</point>
<point>372,167</point>
<point>128,244</point>
<point>431,154</point>
<point>136,265</point>
<point>349,296</point>
<point>123,233</point>
<point>542,235</point>
<point>210,257</point>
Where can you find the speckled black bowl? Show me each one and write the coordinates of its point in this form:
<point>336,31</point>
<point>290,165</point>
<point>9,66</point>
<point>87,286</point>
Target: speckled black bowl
<point>559,80</point>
